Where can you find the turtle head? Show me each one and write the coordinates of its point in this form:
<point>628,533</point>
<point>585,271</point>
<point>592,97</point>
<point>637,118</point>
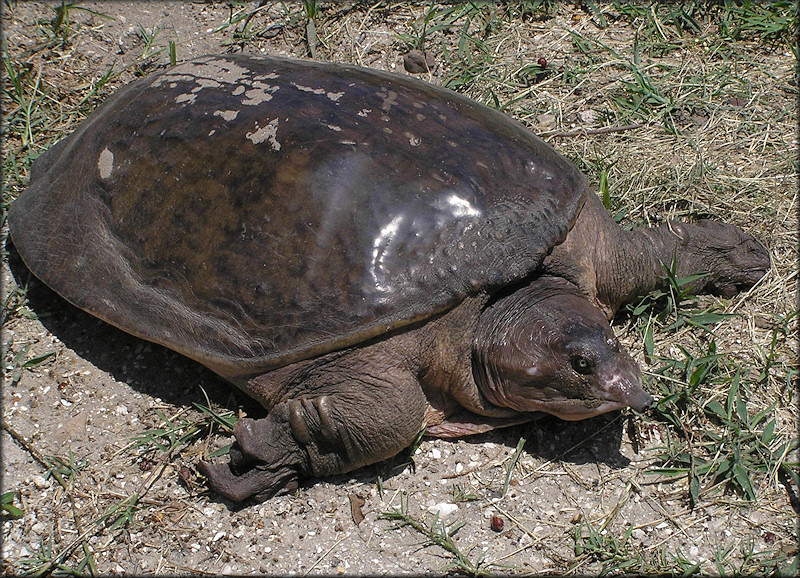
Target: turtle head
<point>547,348</point>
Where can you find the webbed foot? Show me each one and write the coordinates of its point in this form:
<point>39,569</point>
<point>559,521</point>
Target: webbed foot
<point>258,482</point>
<point>265,461</point>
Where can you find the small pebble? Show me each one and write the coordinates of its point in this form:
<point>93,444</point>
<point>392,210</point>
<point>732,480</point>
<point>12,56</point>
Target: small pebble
<point>497,523</point>
<point>40,482</point>
<point>417,62</point>
<point>444,509</point>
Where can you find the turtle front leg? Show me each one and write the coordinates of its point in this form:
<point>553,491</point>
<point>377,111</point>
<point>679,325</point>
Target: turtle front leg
<point>266,460</point>
<point>339,426</point>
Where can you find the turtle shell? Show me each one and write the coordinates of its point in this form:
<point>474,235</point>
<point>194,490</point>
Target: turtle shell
<point>249,212</point>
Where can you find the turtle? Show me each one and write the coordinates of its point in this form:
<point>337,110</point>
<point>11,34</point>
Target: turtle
<point>365,254</point>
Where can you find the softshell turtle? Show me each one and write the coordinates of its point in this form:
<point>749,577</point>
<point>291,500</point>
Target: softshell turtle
<point>363,253</point>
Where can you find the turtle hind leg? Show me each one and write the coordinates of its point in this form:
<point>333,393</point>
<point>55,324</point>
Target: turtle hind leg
<point>351,411</point>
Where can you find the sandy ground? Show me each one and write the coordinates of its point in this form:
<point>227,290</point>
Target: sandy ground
<point>101,387</point>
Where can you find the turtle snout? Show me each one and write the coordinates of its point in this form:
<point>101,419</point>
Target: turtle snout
<point>621,381</point>
<point>640,400</point>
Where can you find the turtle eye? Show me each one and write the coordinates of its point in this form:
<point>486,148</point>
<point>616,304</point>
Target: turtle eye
<point>582,365</point>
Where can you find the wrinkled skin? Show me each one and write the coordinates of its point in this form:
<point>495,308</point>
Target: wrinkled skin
<point>546,347</point>
<point>365,254</point>
<point>613,267</point>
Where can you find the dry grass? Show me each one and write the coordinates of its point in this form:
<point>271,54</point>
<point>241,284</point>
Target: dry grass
<point>702,106</point>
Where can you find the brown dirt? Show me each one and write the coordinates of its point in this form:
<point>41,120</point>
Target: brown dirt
<point>102,387</point>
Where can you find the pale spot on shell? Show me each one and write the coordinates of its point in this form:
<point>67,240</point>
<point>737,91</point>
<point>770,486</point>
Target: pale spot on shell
<point>205,83</point>
<point>105,163</point>
<point>308,88</point>
<point>389,100</point>
<point>364,111</point>
<point>334,96</point>
<point>190,98</point>
<point>238,90</point>
<point>258,93</point>
<point>228,115</point>
<point>333,127</point>
<point>266,133</point>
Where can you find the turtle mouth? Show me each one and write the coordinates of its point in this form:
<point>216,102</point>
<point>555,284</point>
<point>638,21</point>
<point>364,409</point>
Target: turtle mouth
<point>579,411</point>
<point>585,412</point>
<point>619,394</point>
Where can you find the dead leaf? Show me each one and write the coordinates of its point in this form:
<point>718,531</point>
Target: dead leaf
<point>356,502</point>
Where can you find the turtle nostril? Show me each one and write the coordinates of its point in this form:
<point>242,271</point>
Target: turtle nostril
<point>641,402</point>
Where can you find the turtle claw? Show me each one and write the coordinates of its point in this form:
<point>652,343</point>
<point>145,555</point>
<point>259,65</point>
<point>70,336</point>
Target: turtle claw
<point>258,482</point>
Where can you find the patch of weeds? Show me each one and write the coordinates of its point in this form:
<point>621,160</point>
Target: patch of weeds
<point>617,555</point>
<point>34,118</point>
<point>534,73</point>
<point>242,13</point>
<point>48,563</point>
<point>27,109</point>
<point>61,28</point>
<point>719,446</point>
<point>19,363</point>
<point>532,9</point>
<point>683,565</point>
<point>16,305</point>
<point>681,18</point>
<point>643,92</point>
<point>149,37</point>
<point>437,533</point>
<point>152,48</point>
<point>42,561</point>
<point>417,37</point>
<point>750,562</point>
<point>176,433</point>
<point>781,328</point>
<point>10,511</point>
<point>770,21</point>
<point>715,441</point>
<point>462,30</point>
<point>64,470</point>
<point>461,494</point>
<point>667,309</point>
<point>773,21</point>
<point>512,464</point>
<point>120,513</point>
